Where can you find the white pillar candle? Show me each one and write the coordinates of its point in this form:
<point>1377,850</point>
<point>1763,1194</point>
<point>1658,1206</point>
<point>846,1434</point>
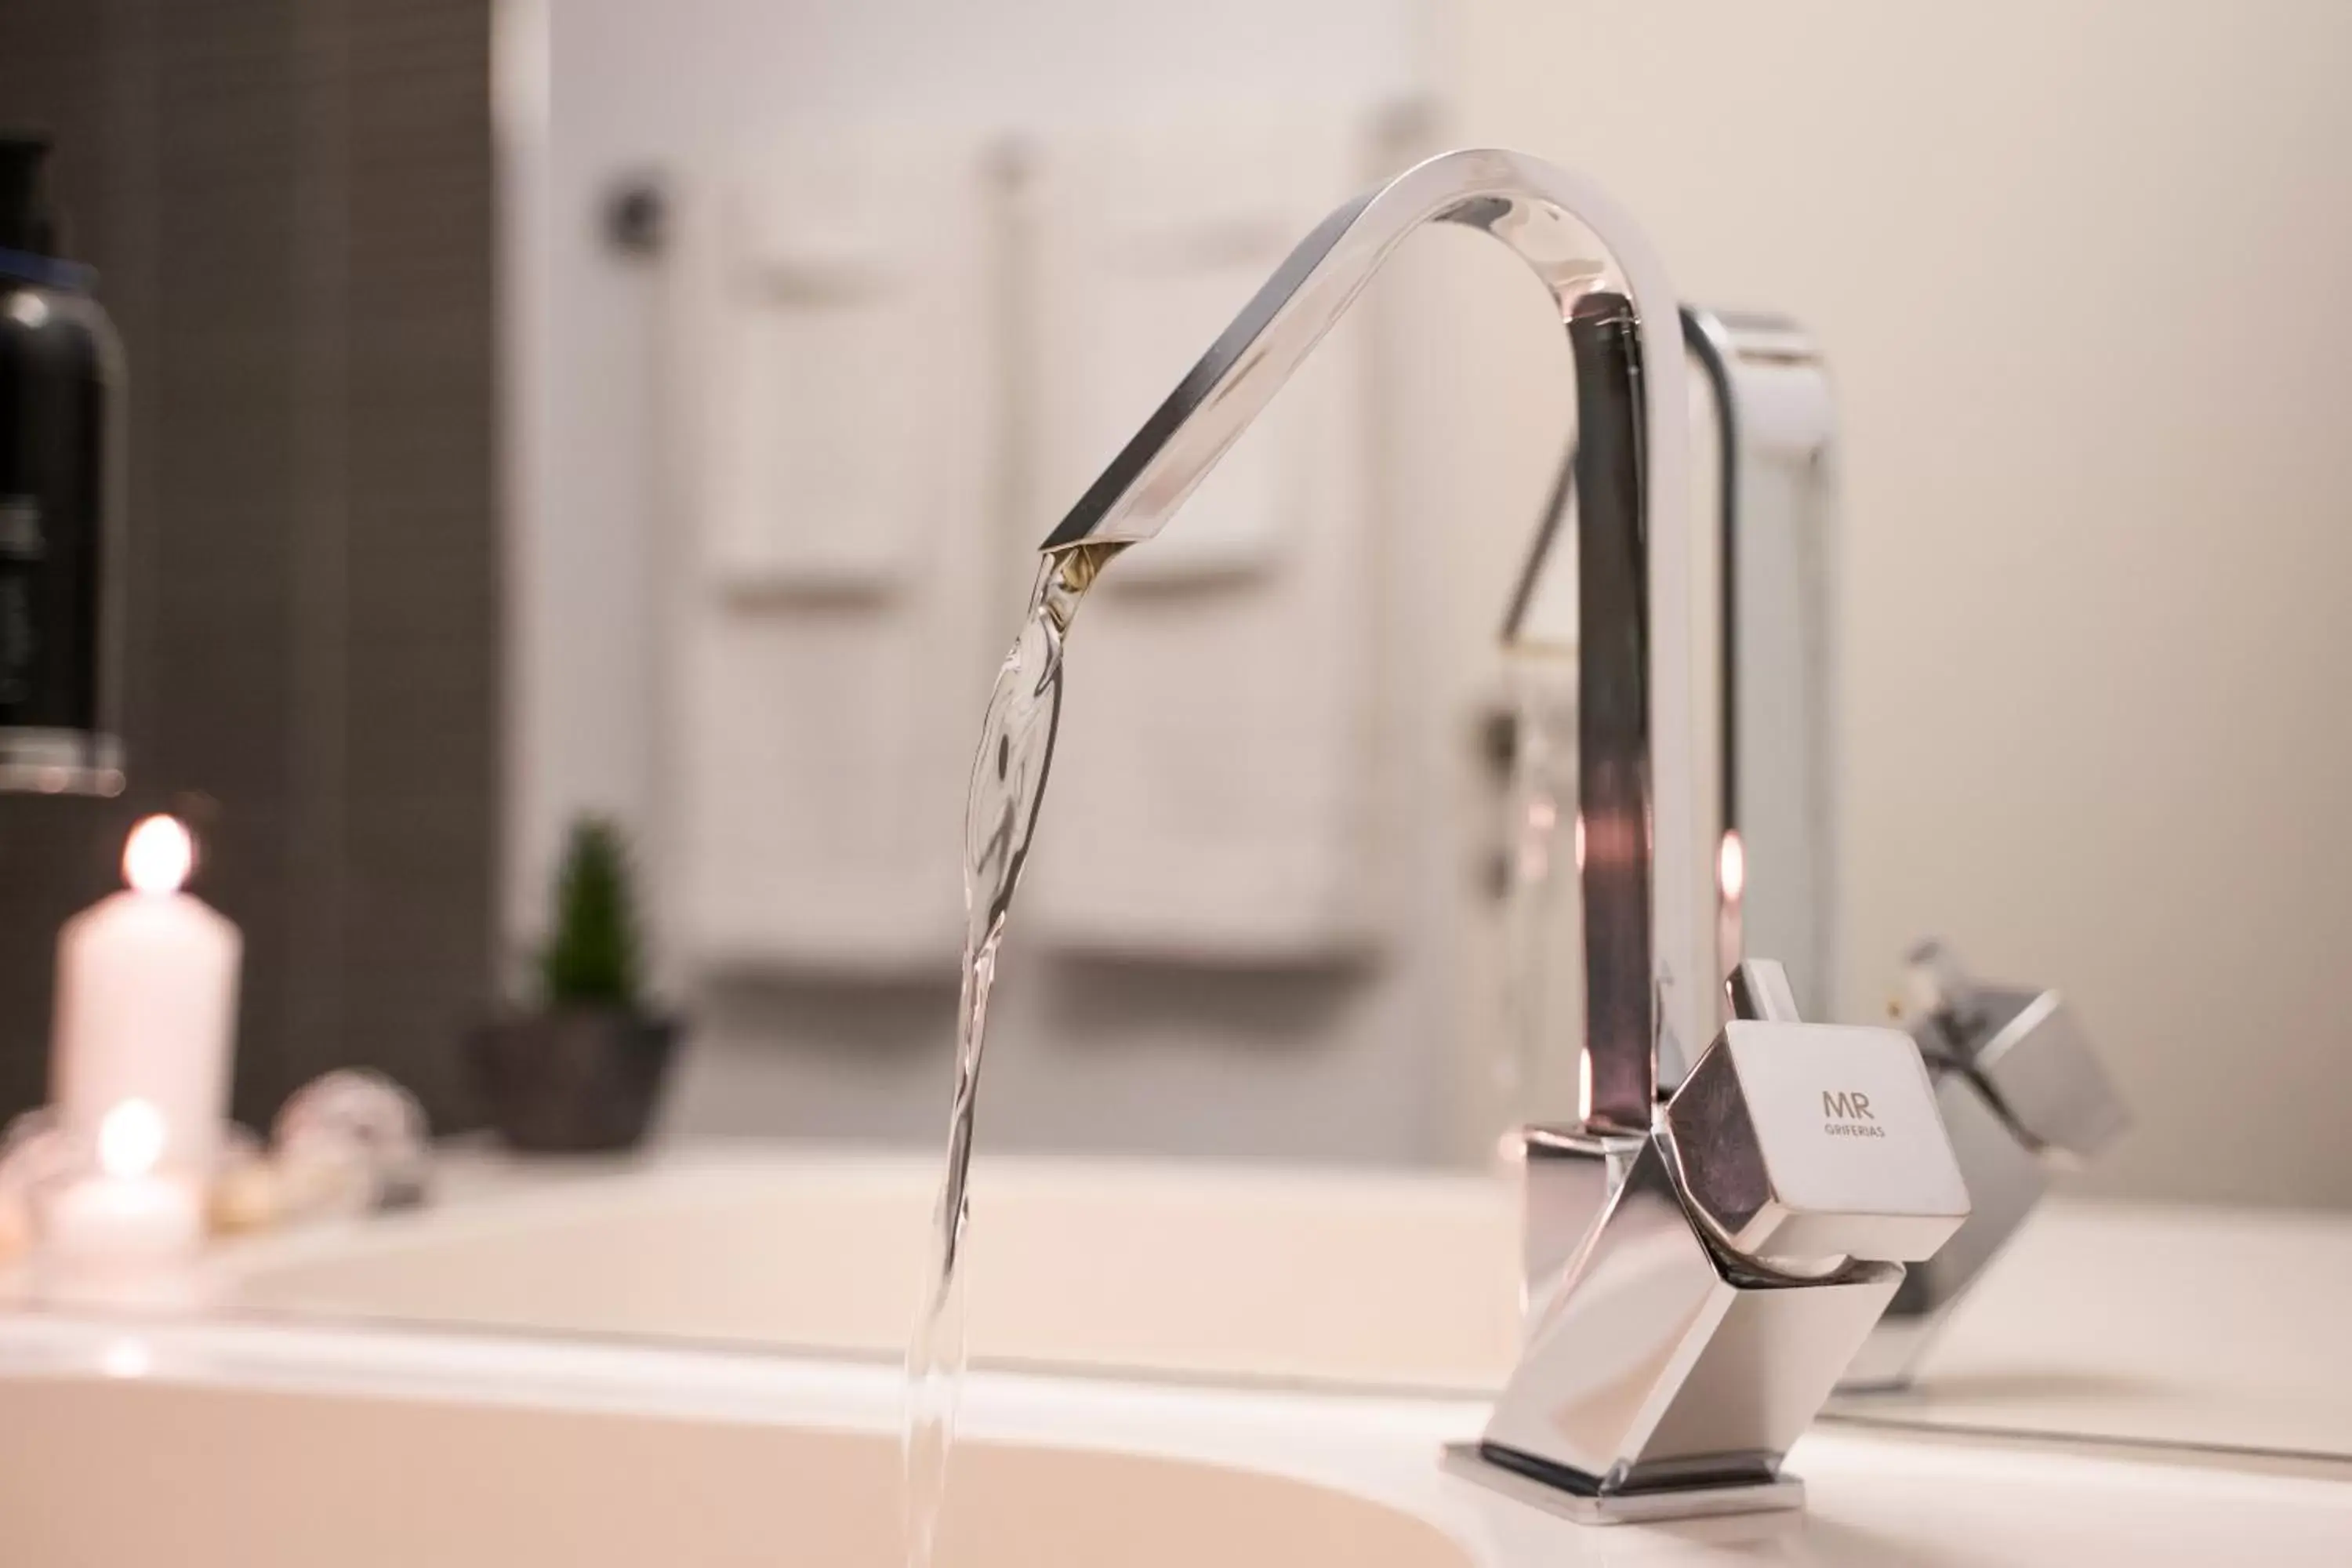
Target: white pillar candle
<point>146,1006</point>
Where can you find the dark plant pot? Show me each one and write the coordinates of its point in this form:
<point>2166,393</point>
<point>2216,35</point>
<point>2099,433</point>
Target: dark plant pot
<point>573,1080</point>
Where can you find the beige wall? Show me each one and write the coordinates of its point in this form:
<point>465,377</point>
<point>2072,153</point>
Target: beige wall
<point>2085,273</point>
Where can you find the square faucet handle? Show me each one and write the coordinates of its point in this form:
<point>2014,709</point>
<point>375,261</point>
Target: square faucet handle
<point>2024,1046</point>
<point>2042,1071</point>
<point>1809,1143</point>
<point>1759,991</point>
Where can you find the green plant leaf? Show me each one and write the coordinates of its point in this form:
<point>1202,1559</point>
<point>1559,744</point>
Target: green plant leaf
<point>593,957</point>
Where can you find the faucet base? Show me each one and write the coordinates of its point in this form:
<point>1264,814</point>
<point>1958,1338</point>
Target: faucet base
<point>1661,1376</point>
<point>1584,1503</point>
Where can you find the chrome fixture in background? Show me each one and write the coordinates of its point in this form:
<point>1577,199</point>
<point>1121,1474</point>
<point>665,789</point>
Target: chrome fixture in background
<point>2023,1095</point>
<point>2021,1092</point>
<point>1775,869</point>
<point>1697,1278</point>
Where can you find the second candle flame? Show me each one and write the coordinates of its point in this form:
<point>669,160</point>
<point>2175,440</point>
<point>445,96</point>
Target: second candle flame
<point>131,1138</point>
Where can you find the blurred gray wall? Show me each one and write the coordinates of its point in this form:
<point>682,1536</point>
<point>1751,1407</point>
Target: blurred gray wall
<point>290,204</point>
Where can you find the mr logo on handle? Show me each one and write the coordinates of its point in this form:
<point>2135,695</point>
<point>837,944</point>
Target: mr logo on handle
<point>1803,1142</point>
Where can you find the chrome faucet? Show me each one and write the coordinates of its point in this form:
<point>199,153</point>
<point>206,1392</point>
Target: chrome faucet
<point>1742,1251</point>
<point>1775,428</point>
<point>1699,1273</point>
<point>1770,432</point>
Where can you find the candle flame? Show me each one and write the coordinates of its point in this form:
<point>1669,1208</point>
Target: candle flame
<point>157,856</point>
<point>129,1359</point>
<point>1731,867</point>
<point>131,1138</point>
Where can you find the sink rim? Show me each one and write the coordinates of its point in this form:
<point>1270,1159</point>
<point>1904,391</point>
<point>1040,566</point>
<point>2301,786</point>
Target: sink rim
<point>1380,1451</point>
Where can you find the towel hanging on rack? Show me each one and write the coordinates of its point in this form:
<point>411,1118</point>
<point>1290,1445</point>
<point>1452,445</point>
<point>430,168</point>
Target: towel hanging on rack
<point>840,431</point>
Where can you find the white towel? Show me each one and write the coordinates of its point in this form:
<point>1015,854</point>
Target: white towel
<point>840,418</point>
<point>1211,800</point>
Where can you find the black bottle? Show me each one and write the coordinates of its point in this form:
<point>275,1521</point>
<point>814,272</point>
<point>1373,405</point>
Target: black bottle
<point>60,503</point>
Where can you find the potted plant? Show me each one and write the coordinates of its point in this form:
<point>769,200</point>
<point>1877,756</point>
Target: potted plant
<point>583,1071</point>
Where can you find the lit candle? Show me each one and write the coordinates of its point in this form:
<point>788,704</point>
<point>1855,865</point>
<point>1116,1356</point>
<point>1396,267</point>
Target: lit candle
<point>127,1213</point>
<point>147,1005</point>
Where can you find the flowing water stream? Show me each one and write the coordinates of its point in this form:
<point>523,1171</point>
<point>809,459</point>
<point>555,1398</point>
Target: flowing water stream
<point>1008,785</point>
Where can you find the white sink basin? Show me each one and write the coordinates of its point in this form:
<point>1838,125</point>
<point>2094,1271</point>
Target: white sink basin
<point>2089,1327</point>
<point>126,1473</point>
<point>211,1445</point>
<point>1408,1281</point>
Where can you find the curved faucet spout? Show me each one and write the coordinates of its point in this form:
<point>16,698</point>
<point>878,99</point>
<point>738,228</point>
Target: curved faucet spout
<point>1647,970</point>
